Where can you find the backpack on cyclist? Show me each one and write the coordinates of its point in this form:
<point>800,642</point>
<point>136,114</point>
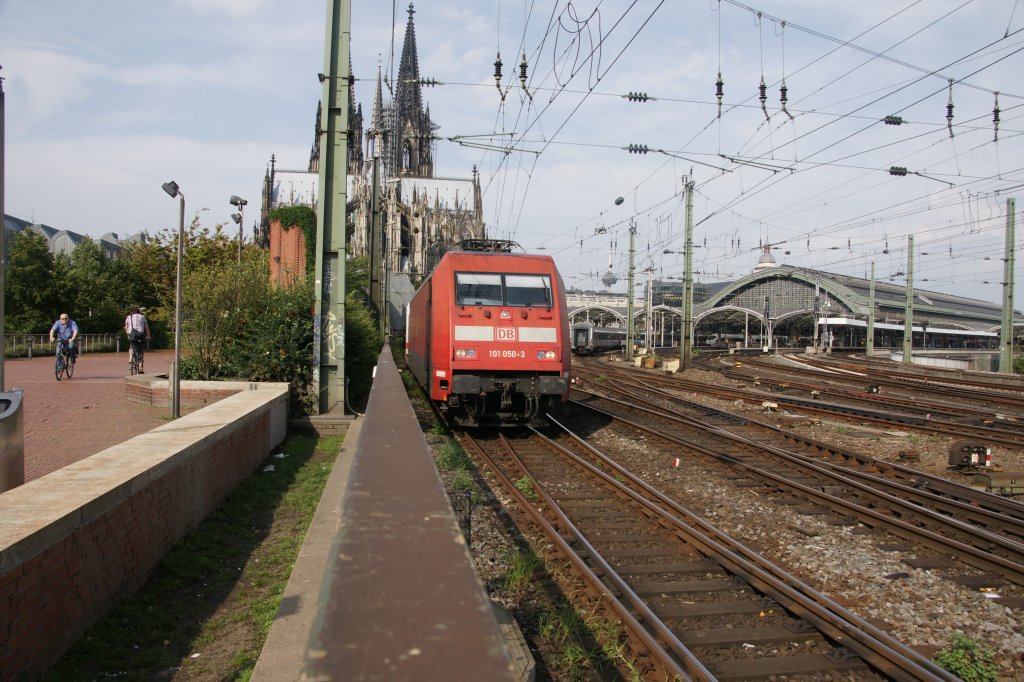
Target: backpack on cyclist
<point>136,336</point>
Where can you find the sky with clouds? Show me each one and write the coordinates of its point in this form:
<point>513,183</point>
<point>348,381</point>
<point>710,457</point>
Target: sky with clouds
<point>106,101</point>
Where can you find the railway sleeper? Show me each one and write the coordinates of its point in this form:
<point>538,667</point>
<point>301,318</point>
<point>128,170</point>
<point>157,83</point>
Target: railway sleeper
<point>772,634</point>
<point>801,664</point>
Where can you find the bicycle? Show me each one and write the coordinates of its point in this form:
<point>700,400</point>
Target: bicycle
<point>135,355</point>
<point>65,363</point>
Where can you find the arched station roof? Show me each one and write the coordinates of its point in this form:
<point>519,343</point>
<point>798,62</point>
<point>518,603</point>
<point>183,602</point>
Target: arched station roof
<point>790,292</point>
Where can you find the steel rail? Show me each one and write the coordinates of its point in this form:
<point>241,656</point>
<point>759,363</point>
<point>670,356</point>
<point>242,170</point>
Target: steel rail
<point>691,668</point>
<point>1011,570</point>
<point>973,498</point>
<point>1001,436</point>
<point>952,386</point>
<point>989,506</point>
<point>776,375</point>
<point>873,645</point>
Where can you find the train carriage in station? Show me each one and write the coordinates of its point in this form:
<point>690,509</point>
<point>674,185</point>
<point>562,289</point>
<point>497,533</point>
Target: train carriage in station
<point>588,339</point>
<point>487,337</point>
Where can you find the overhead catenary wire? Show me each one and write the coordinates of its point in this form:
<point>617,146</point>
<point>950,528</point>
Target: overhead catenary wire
<point>520,154</point>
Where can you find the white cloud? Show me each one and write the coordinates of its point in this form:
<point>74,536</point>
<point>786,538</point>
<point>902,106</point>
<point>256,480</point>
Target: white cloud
<point>204,92</point>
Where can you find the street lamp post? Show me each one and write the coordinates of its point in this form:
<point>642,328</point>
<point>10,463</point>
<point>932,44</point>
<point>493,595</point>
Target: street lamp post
<point>237,217</point>
<point>173,191</point>
<point>239,203</point>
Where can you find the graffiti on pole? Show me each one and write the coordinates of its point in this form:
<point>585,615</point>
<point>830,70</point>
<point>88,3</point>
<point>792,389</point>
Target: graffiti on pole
<point>332,331</point>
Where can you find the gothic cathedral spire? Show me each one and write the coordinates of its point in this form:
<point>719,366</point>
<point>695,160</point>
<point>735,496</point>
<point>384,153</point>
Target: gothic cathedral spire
<point>410,148</point>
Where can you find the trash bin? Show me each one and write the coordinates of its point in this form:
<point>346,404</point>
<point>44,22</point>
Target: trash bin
<point>12,441</point>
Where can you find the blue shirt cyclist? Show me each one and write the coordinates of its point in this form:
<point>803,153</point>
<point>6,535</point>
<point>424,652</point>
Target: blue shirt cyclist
<point>66,330</point>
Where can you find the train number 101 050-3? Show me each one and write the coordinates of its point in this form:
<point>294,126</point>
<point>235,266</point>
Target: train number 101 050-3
<point>507,353</point>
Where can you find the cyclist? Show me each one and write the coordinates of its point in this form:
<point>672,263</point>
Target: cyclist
<point>66,330</point>
<point>136,326</point>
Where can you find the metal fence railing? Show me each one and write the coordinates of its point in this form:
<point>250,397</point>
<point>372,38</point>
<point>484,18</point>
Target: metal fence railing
<point>27,345</point>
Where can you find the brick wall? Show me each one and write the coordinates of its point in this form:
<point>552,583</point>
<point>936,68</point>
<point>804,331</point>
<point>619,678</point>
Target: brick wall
<point>76,541</point>
<point>287,252</point>
<point>155,390</point>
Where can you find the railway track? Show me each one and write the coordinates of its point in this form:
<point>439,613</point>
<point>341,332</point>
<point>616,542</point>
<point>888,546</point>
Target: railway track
<point>983,531</point>
<point>996,433</point>
<point>796,378</point>
<point>696,603</point>
<point>1004,390</point>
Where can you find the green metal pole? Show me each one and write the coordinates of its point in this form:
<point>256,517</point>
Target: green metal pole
<point>376,259</point>
<point>1006,329</point>
<point>908,313</point>
<point>629,294</point>
<point>869,344</point>
<point>686,342</point>
<point>329,283</point>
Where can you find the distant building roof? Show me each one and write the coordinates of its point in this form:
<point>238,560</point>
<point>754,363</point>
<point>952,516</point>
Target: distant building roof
<point>65,241</point>
<point>293,187</point>
<point>446,193</point>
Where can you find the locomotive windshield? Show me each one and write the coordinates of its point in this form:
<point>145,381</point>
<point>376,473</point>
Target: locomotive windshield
<point>478,288</point>
<point>528,290</point>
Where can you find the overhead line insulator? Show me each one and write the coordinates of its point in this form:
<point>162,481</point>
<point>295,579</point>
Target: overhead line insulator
<point>637,96</point>
<point>995,120</point>
<point>893,120</point>
<point>719,92</point>
<point>638,149</point>
<point>949,109</point>
<point>897,170</point>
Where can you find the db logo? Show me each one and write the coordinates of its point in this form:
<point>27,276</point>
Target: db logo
<point>506,333</point>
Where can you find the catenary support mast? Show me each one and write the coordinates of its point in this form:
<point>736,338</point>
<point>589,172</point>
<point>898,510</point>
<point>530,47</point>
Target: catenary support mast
<point>329,283</point>
<point>1006,329</point>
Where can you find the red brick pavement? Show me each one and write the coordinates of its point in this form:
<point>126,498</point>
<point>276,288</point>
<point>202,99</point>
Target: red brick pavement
<point>68,420</point>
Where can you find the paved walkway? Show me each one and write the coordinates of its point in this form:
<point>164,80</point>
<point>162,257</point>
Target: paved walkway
<point>68,420</point>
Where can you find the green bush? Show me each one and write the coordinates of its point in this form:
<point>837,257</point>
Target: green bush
<point>277,343</point>
<point>363,343</point>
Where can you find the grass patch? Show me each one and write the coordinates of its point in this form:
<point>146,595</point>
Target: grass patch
<point>215,593</point>
<point>590,644</point>
<point>968,660</point>
<point>522,564</point>
<point>451,457</point>
<point>524,486</point>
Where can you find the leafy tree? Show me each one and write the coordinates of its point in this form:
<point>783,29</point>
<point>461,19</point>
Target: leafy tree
<point>30,296</point>
<point>151,277</point>
<point>220,300</point>
<point>91,297</point>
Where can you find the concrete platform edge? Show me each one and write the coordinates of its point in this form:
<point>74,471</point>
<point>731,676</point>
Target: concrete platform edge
<point>283,654</point>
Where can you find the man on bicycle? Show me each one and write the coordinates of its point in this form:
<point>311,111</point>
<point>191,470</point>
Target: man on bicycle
<point>136,326</point>
<point>66,330</point>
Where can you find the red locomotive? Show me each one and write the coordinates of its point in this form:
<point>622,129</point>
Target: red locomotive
<point>486,336</point>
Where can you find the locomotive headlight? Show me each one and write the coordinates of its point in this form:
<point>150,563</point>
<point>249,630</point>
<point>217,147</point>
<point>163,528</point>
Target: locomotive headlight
<point>465,353</point>
<point>546,355</point>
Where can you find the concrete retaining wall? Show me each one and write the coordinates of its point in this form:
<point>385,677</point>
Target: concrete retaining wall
<point>78,540</point>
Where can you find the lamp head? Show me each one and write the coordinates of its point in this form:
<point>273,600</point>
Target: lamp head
<point>237,218</point>
<point>171,188</point>
<point>237,201</point>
